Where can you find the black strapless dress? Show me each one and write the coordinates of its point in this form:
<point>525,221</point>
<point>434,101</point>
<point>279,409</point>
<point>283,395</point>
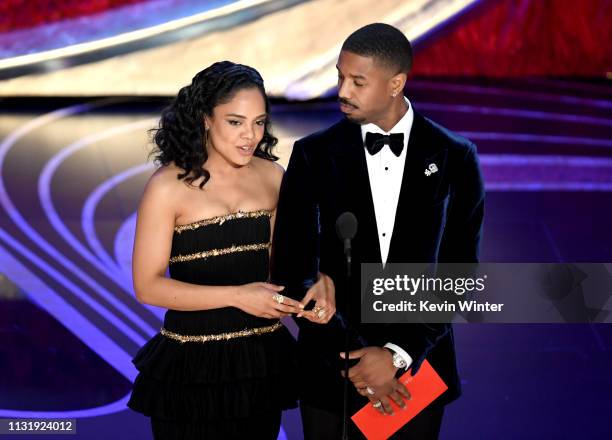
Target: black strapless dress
<point>218,373</point>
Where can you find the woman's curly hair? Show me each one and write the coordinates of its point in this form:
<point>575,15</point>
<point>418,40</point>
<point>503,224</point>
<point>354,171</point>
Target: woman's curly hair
<point>181,134</point>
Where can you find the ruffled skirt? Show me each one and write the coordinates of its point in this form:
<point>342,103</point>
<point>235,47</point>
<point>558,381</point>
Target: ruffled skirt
<point>198,383</point>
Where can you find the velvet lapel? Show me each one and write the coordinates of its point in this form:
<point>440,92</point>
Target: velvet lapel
<point>350,163</point>
<point>415,185</point>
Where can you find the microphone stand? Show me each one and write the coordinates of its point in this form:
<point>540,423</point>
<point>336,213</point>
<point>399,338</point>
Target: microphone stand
<point>345,416</point>
<point>346,228</point>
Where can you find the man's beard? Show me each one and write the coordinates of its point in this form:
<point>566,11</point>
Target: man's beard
<point>353,119</point>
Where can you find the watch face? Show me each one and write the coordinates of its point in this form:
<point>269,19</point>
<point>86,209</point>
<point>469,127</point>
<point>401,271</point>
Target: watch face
<point>398,362</point>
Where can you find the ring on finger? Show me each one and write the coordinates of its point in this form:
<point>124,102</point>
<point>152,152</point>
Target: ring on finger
<point>370,391</point>
<point>321,313</point>
<point>377,404</point>
<point>278,298</point>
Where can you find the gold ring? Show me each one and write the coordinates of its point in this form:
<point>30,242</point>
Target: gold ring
<point>377,404</point>
<point>319,311</point>
<point>278,298</point>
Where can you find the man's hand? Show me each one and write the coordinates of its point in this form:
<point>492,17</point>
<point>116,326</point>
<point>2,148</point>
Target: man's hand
<point>323,293</point>
<point>374,378</point>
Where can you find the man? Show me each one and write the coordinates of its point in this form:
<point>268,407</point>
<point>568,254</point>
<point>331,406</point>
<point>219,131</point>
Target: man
<point>417,192</point>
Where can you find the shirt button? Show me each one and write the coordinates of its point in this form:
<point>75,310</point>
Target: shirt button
<point>384,234</point>
<point>386,168</point>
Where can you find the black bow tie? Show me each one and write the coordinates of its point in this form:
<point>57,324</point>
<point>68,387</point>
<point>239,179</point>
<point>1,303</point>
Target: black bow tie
<point>374,142</point>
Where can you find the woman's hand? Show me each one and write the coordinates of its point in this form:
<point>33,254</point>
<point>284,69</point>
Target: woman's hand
<point>323,293</point>
<point>265,301</point>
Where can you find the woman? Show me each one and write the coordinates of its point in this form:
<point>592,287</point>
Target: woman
<point>222,365</point>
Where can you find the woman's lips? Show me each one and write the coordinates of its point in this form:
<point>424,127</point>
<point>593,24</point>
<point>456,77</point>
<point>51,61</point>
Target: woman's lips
<point>246,150</point>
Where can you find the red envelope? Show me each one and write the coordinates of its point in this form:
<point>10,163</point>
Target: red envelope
<point>424,388</point>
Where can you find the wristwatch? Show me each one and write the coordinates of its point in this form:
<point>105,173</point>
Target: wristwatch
<point>398,361</point>
<point>401,360</point>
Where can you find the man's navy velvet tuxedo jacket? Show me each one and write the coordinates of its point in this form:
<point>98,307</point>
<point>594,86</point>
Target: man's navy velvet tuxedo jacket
<point>438,219</point>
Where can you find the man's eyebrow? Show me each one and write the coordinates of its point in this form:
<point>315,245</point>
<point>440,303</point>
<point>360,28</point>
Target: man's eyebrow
<point>353,76</point>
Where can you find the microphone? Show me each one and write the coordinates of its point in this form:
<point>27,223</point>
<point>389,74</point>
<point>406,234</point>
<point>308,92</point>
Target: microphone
<point>346,228</point>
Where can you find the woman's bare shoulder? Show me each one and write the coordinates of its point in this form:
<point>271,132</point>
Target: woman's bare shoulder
<point>269,170</point>
<point>165,178</point>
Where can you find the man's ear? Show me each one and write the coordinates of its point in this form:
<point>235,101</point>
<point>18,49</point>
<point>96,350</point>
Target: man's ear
<point>397,83</point>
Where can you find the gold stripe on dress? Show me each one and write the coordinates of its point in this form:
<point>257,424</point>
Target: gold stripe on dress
<point>218,252</point>
<point>221,336</point>
<point>222,219</point>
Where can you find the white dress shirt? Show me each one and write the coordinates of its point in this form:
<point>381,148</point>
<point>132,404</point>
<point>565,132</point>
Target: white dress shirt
<point>386,171</point>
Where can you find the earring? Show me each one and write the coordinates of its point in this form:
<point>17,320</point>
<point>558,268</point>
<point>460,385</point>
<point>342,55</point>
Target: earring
<point>206,137</point>
<point>394,94</point>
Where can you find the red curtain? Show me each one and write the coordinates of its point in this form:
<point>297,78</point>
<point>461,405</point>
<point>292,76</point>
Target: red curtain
<point>19,14</point>
<point>511,38</point>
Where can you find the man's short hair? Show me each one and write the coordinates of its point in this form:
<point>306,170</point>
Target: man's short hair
<point>383,42</point>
